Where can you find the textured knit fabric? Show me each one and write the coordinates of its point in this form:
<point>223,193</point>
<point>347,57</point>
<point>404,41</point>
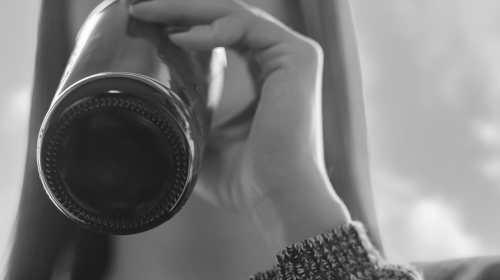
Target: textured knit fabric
<point>344,253</point>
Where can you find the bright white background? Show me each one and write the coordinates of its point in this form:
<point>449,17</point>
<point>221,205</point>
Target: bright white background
<point>432,91</point>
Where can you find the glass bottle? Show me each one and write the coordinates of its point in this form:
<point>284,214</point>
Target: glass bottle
<point>120,148</point>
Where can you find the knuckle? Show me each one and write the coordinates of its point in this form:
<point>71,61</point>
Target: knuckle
<point>312,48</point>
<point>308,50</point>
<point>246,13</point>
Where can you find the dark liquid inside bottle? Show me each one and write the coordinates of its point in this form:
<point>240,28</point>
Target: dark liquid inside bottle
<point>116,163</point>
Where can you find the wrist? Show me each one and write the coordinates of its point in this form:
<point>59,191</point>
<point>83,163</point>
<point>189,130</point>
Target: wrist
<point>307,208</point>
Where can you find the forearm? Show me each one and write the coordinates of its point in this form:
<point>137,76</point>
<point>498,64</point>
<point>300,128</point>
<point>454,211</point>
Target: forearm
<point>308,209</point>
<point>316,239</point>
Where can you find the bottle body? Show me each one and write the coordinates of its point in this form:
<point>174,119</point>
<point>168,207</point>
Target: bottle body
<point>120,148</point>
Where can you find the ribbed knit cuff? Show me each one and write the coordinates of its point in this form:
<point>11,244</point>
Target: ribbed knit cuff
<point>342,253</point>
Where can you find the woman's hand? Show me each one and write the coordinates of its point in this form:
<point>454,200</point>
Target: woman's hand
<point>270,167</point>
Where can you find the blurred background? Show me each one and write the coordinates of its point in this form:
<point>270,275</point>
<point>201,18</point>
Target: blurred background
<point>432,101</point>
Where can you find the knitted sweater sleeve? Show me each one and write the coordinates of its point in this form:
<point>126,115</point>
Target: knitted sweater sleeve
<point>342,253</point>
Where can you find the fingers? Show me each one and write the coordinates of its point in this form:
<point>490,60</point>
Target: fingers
<point>289,111</point>
<point>207,37</point>
<point>215,23</point>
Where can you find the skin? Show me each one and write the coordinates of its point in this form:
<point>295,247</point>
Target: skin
<point>279,164</point>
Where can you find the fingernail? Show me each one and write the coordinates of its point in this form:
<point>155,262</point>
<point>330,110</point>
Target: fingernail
<point>176,29</point>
